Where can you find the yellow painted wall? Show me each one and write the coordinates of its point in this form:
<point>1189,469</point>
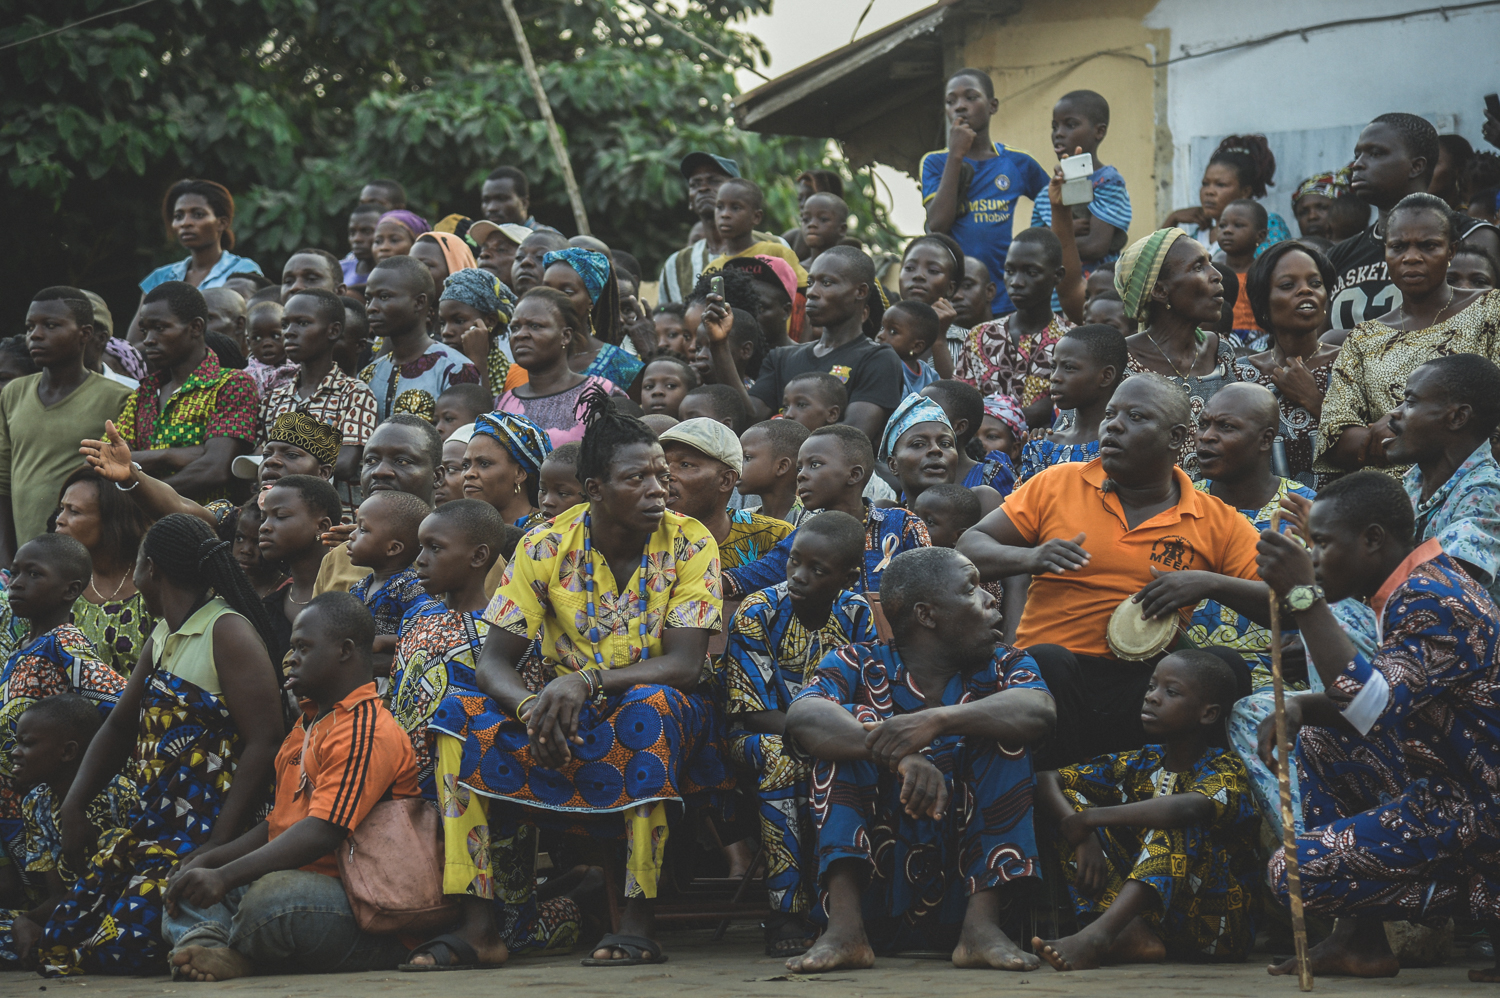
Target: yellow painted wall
<point>1057,32</point>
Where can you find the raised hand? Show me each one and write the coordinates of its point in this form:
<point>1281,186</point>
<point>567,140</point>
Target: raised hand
<point>110,456</point>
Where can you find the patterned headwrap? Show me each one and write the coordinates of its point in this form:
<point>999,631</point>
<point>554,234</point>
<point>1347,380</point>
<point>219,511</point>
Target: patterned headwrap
<point>301,430</point>
<point>1138,267</point>
<point>1006,409</point>
<point>414,223</point>
<point>456,252</point>
<point>913,409</point>
<point>591,265</point>
<point>526,442</point>
<point>480,290</point>
<point>1330,185</point>
<point>127,356</point>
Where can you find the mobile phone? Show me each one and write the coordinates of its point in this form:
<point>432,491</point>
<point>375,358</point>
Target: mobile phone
<point>1492,106</point>
<point>717,285</point>
<point>1078,185</point>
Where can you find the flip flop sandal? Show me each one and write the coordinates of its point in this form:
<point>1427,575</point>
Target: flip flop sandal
<point>461,955</point>
<point>638,949</point>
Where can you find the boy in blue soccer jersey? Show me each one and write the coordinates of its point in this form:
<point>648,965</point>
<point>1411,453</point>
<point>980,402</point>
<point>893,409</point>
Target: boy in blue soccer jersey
<point>970,189</point>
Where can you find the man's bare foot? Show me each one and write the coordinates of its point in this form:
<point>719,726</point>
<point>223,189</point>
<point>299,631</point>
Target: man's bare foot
<point>985,947</point>
<point>1081,951</point>
<point>739,855</point>
<point>202,963</point>
<point>491,952</point>
<point>1136,943</point>
<point>1356,949</point>
<point>835,950</point>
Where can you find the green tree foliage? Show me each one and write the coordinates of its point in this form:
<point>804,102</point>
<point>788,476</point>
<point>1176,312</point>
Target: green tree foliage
<point>293,104</point>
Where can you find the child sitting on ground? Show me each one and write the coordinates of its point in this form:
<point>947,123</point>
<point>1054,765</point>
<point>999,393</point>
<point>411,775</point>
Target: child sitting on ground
<point>825,222</point>
<point>51,738</point>
<point>435,660</point>
<point>948,510</point>
<point>778,637</point>
<point>1162,840</point>
<point>1088,364</point>
<point>1242,229</point>
<point>459,406</point>
<point>911,328</point>
<point>54,656</point>
<point>770,470</point>
<point>558,487</point>
<point>815,399</point>
<point>385,541</point>
<point>665,381</point>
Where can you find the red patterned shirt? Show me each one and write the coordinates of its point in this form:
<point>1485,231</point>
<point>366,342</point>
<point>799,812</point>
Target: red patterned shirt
<point>994,363</point>
<point>342,402</point>
<point>212,402</point>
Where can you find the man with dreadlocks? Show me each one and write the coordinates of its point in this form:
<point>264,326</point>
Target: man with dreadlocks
<point>202,714</point>
<point>621,595</point>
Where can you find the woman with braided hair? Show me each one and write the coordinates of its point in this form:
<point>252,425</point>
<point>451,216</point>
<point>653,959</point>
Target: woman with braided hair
<point>621,596</point>
<point>200,721</point>
<point>1241,167</point>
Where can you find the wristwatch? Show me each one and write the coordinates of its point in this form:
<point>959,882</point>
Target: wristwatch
<point>1301,598</point>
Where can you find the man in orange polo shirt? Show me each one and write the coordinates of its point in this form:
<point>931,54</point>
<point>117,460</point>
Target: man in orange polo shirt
<point>271,900</point>
<point>1088,537</point>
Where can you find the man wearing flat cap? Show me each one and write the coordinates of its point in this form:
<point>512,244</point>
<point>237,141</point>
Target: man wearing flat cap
<point>704,461</point>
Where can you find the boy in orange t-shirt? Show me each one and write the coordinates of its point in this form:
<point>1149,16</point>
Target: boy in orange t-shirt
<point>272,898</point>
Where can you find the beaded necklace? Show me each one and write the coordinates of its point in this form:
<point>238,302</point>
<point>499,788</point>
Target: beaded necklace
<point>588,587</point>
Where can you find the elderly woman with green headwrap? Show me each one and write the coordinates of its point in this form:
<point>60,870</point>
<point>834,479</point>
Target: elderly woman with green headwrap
<point>1169,285</point>
<point>587,277</point>
<point>503,465</point>
<point>475,309</point>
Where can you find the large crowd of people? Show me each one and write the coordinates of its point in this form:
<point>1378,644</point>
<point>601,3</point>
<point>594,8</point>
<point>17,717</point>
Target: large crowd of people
<point>920,586</point>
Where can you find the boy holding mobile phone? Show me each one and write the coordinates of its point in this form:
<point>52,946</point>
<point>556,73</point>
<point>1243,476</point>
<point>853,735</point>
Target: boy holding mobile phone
<point>1080,120</point>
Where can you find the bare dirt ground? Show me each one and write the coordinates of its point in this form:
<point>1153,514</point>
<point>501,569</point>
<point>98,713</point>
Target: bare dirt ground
<point>736,967</point>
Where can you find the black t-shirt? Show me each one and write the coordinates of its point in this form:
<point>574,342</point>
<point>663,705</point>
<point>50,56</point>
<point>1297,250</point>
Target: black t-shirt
<point>870,371</point>
<point>1362,287</point>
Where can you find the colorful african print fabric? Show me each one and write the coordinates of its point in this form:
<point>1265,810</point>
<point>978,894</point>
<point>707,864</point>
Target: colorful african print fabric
<point>1401,819</point>
<point>996,471</point>
<point>60,661</point>
<point>1463,514</point>
<point>1299,427</point>
<point>1214,625</point>
<point>995,363</point>
<point>647,745</point>
<point>186,753</point>
<point>401,596</point>
<point>751,537</point>
<point>415,386</point>
<point>40,850</point>
<point>560,414</point>
<point>1199,389</point>
<point>435,657</point>
<point>339,401</point>
<point>212,402</point>
<point>922,872</point>
<point>770,657</point>
<point>1039,455</point>
<point>1369,376</point>
<point>117,630</point>
<point>1203,875</point>
<point>889,530</point>
<point>614,365</point>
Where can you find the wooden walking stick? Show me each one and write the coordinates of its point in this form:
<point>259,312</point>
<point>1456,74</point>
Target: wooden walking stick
<point>1284,784</point>
<point>554,137</point>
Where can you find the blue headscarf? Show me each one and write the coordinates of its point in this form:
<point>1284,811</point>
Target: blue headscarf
<point>591,265</point>
<point>913,409</point>
<point>526,442</point>
<point>480,290</point>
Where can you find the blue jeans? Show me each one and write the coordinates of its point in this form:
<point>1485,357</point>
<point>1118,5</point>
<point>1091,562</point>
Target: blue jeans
<point>290,922</point>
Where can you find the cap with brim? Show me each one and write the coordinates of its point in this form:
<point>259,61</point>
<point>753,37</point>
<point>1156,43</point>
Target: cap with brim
<point>484,228</point>
<point>762,269</point>
<point>246,466</point>
<point>693,160</point>
<point>1134,638</point>
<point>709,436</point>
<point>102,316</point>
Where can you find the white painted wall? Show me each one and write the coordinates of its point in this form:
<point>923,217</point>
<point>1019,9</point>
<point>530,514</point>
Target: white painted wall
<point>1309,97</point>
